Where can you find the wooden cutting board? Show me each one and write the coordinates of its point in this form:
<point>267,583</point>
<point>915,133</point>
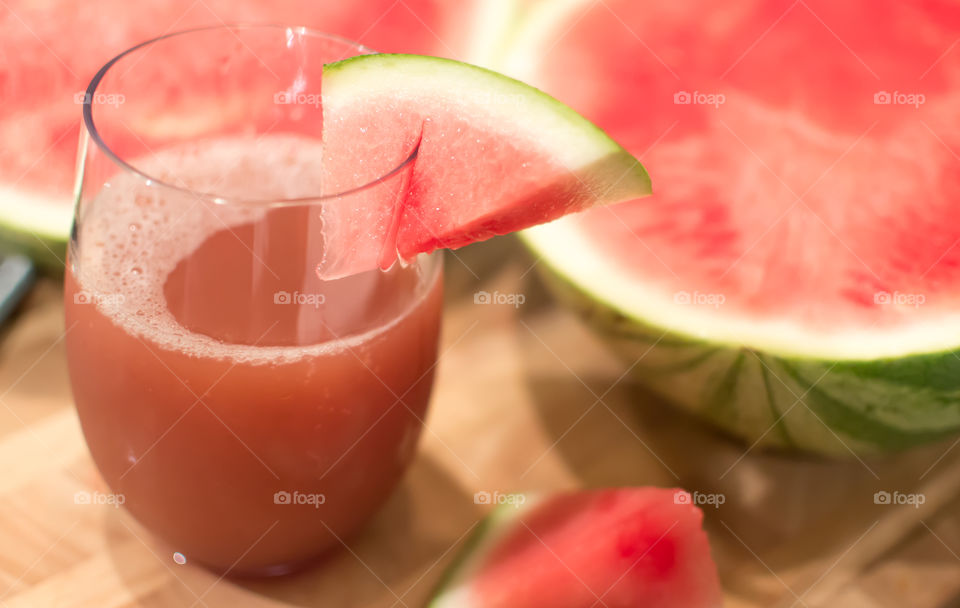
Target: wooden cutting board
<point>526,400</point>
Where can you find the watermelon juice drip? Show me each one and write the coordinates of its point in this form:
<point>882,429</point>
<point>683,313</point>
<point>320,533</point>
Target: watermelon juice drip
<point>224,389</point>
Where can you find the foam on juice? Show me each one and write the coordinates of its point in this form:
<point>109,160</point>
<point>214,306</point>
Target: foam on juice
<point>135,232</point>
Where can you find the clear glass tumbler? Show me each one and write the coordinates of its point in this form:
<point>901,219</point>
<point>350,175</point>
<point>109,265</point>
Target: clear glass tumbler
<point>251,404</point>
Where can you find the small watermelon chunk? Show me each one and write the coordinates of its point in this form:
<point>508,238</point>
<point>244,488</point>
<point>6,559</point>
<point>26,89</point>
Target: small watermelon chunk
<point>618,548</point>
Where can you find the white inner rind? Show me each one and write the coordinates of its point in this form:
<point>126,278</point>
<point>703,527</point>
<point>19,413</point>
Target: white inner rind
<point>570,253</point>
<point>40,214</point>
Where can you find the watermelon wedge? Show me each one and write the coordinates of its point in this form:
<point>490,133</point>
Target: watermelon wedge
<point>50,49</point>
<point>619,548</point>
<point>495,156</point>
<point>796,279</point>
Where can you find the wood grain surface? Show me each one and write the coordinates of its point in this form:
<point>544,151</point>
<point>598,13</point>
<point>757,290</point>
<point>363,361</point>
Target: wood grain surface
<point>527,399</point>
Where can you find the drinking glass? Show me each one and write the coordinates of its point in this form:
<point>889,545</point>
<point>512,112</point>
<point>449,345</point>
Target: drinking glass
<point>248,393</point>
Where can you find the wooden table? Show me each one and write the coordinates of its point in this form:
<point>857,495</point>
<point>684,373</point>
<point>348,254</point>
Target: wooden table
<point>526,399</point>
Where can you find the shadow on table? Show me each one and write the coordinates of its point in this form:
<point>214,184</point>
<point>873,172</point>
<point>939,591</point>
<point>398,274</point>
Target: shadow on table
<point>396,560</point>
<point>33,362</point>
<point>479,266</point>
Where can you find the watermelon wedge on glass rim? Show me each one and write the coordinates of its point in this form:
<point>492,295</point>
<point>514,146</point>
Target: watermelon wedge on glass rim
<point>619,548</point>
<point>51,49</point>
<point>796,278</point>
<point>495,156</point>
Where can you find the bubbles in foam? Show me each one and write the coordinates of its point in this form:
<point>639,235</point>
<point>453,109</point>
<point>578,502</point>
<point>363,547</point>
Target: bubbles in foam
<point>133,234</point>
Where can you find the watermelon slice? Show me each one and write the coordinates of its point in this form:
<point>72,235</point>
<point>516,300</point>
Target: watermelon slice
<point>495,156</point>
<point>619,548</point>
<point>797,277</point>
<point>45,64</point>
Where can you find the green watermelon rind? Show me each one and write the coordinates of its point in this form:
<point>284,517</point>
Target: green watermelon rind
<point>835,407</point>
<point>47,251</point>
<point>452,590</point>
<point>27,231</point>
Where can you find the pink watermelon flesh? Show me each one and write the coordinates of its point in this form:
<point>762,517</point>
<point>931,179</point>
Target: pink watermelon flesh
<point>50,50</point>
<point>879,183</point>
<point>619,548</point>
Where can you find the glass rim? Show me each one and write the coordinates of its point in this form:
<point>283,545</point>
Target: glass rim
<point>94,134</point>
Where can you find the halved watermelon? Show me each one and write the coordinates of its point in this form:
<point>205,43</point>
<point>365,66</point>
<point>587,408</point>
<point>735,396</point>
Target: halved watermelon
<point>619,548</point>
<point>49,50</point>
<point>796,279</point>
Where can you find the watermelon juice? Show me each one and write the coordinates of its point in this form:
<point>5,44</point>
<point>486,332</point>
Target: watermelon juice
<point>250,413</point>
